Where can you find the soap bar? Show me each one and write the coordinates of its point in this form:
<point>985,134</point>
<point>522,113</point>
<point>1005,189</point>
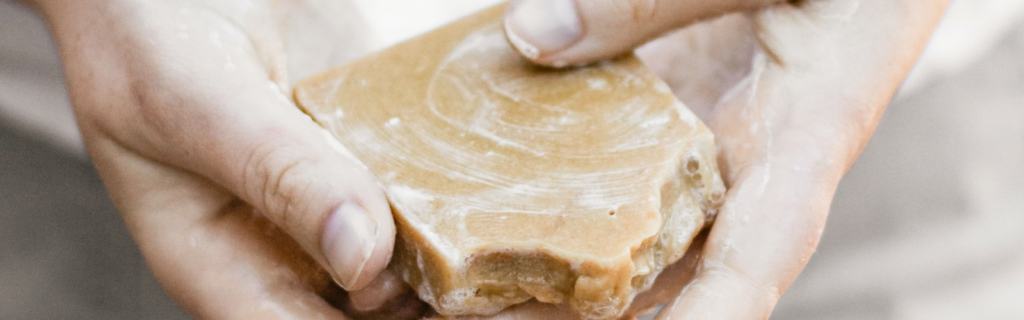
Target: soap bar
<point>510,181</point>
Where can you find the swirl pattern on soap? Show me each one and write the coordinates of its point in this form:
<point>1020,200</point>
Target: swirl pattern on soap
<point>492,139</point>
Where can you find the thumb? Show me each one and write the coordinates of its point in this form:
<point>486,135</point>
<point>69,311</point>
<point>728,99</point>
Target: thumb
<point>251,140</point>
<point>304,181</point>
<point>570,32</point>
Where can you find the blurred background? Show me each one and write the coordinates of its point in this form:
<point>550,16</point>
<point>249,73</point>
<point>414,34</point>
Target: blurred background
<point>929,224</point>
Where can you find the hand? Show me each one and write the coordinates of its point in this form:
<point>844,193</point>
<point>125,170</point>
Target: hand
<point>236,198</point>
<point>793,92</point>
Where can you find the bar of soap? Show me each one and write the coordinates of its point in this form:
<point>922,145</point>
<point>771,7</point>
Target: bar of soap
<point>509,181</point>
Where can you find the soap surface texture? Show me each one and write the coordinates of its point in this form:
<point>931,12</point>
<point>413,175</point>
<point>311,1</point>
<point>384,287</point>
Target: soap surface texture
<point>512,182</point>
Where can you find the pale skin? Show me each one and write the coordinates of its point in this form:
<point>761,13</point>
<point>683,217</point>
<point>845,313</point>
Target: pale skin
<point>244,211</point>
<point>792,91</point>
<point>237,200</point>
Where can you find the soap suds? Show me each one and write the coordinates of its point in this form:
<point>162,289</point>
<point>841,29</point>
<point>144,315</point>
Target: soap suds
<point>655,122</point>
<point>337,146</point>
<point>597,84</point>
<point>409,198</point>
<point>415,202</point>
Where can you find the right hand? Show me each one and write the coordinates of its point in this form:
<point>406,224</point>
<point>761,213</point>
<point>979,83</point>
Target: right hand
<point>792,90</point>
<point>239,202</point>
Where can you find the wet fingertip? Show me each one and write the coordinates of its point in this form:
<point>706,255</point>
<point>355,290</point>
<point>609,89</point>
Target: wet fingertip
<point>542,27</point>
<point>349,243</point>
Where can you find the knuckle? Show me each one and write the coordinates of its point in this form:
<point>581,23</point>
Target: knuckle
<point>153,103</point>
<point>730,274</point>
<point>637,11</point>
<point>275,178</point>
<point>155,113</point>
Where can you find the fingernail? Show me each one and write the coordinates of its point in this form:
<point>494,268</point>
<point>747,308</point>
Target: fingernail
<point>349,239</point>
<point>542,26</point>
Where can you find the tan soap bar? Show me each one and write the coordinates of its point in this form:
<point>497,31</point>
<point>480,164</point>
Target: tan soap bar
<point>510,181</point>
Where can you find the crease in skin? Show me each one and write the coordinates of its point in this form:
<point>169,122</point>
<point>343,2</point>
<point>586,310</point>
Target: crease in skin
<point>670,310</point>
<point>650,14</point>
<point>270,53</point>
<point>764,45</point>
<point>760,62</point>
<point>749,85</point>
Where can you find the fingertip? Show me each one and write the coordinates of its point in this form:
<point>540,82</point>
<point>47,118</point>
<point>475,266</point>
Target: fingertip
<point>537,28</point>
<point>559,33</point>
<point>722,293</point>
<point>356,245</point>
<point>374,266</point>
<point>385,287</point>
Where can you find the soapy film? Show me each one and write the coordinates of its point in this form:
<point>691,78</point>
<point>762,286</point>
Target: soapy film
<point>511,182</point>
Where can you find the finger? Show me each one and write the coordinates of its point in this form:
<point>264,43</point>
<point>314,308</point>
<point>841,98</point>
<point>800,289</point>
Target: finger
<point>568,32</point>
<point>788,133</point>
<point>386,287</point>
<point>293,172</point>
<point>760,241</point>
<point>320,35</point>
<point>262,148</point>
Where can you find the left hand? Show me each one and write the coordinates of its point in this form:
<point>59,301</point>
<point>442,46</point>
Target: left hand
<point>242,205</point>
